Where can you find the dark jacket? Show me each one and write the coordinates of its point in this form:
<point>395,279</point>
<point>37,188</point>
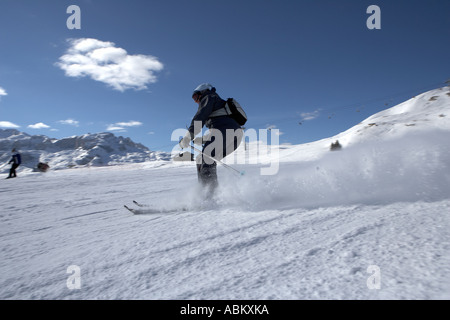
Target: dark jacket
<point>16,159</point>
<point>209,103</point>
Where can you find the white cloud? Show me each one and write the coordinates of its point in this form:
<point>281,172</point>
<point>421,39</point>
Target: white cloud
<point>306,116</point>
<point>129,124</point>
<point>104,62</point>
<point>113,127</point>
<point>119,126</point>
<point>70,122</point>
<point>7,124</point>
<point>3,92</point>
<point>39,125</point>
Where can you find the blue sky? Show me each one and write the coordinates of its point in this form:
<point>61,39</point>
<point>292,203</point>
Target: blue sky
<point>309,68</point>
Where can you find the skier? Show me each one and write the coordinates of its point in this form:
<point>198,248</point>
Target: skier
<point>216,145</point>
<point>16,160</point>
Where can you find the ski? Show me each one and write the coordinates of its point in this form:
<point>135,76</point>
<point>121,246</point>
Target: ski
<point>139,204</point>
<point>146,209</point>
<point>143,211</point>
<point>134,211</point>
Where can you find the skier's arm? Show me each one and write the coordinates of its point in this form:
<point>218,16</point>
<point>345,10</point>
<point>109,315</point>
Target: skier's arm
<point>204,110</point>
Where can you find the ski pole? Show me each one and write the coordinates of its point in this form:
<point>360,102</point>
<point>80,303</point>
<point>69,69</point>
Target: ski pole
<point>241,173</point>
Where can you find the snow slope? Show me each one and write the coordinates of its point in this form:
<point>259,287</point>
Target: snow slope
<point>312,231</point>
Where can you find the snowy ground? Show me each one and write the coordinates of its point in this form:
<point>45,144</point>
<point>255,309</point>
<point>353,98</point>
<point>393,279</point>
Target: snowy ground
<point>368,222</point>
<point>309,232</point>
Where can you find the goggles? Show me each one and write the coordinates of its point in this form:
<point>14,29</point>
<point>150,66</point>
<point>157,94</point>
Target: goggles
<point>196,96</point>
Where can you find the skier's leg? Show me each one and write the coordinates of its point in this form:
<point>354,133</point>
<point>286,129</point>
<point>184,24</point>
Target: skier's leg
<point>207,175</point>
<point>206,166</point>
<point>11,171</point>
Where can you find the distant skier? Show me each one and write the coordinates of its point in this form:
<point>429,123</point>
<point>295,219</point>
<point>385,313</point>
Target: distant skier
<point>214,148</point>
<point>16,160</point>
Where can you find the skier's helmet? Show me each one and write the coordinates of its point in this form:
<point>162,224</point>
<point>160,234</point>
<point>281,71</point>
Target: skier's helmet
<point>203,87</point>
<point>196,95</point>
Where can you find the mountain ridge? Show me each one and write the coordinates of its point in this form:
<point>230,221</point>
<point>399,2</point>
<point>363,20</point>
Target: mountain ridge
<point>97,149</point>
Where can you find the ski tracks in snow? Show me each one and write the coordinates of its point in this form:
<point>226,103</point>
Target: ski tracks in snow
<point>50,223</point>
<point>295,254</point>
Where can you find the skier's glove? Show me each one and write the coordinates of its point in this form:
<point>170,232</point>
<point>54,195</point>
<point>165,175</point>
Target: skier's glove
<point>185,141</point>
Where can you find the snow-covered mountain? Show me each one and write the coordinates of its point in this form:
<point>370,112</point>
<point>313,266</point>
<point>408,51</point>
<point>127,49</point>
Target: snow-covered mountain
<point>426,113</point>
<point>422,113</point>
<point>99,149</point>
<point>370,221</point>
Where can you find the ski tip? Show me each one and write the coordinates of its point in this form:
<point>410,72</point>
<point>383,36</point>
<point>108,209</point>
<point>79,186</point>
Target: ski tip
<point>242,173</point>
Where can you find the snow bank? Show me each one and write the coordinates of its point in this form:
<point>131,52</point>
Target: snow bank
<point>411,168</point>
